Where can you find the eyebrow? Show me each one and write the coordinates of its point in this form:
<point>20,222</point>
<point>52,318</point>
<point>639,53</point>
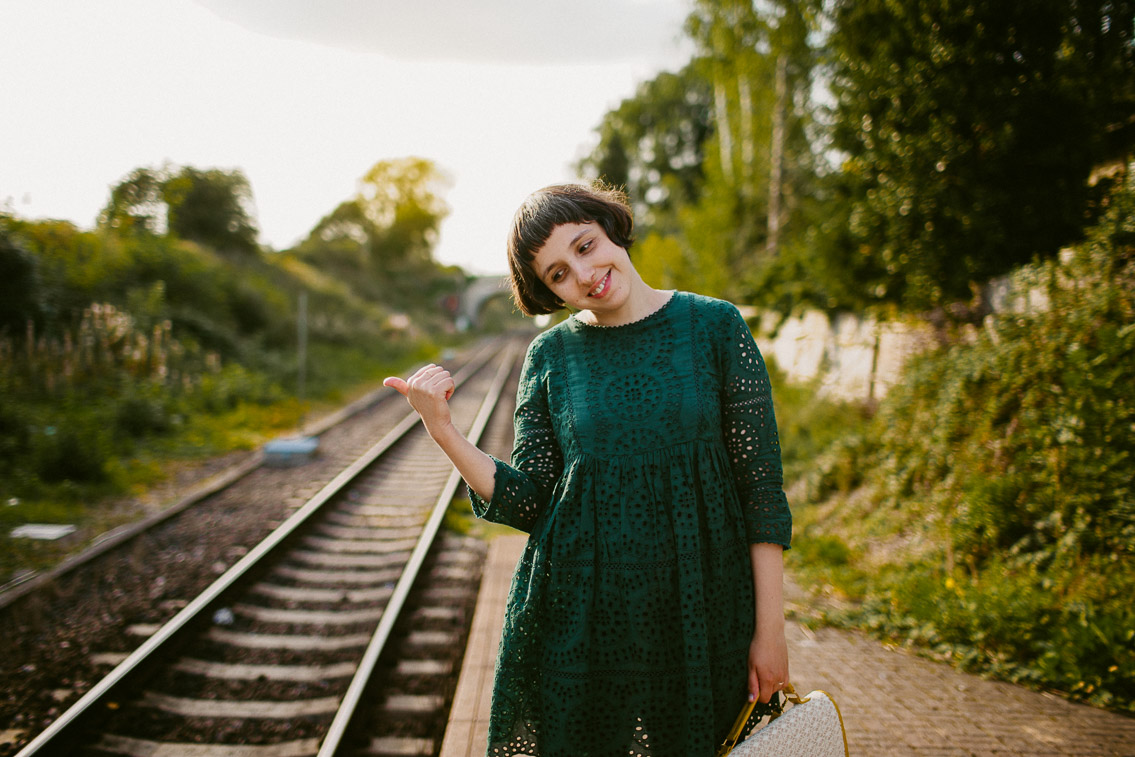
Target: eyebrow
<point>581,233</point>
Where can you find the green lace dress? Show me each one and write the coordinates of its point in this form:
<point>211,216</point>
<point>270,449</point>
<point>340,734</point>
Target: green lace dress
<point>646,462</point>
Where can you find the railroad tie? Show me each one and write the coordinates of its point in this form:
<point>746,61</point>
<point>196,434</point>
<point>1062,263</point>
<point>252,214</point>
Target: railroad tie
<point>340,560</point>
<point>292,642</point>
<point>243,672</point>
<point>236,708</point>
<point>308,617</point>
<point>333,577</point>
<point>417,703</point>
<point>309,594</point>
<point>362,540</point>
<point>424,668</point>
<point>399,746</point>
<point>146,748</point>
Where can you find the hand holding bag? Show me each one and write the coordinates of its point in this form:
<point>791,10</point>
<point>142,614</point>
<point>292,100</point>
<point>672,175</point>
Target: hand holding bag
<point>812,727</point>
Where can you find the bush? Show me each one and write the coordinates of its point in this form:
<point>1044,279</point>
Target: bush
<point>76,451</point>
<point>996,521</point>
<point>809,424</point>
<point>145,414</point>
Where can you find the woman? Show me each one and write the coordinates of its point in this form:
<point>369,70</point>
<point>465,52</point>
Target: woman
<point>646,470</point>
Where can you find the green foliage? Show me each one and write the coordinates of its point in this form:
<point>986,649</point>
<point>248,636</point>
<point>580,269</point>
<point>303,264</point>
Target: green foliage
<point>126,341</point>
<point>1067,627</point>
<point>1036,418</point>
<point>653,145</point>
<point>165,335</point>
<point>717,158</point>
<point>212,207</point>
<point>995,521</point>
<point>809,424</point>
<point>220,305</point>
<point>402,200</point>
<point>19,284</point>
<point>969,131</point>
<point>965,139</point>
<point>137,204</point>
<point>391,221</point>
<point>379,243</point>
<point>76,451</point>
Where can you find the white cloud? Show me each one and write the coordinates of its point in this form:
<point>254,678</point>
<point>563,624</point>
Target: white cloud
<point>91,91</point>
<point>493,31</point>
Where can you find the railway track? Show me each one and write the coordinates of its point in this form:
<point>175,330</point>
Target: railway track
<point>279,655</point>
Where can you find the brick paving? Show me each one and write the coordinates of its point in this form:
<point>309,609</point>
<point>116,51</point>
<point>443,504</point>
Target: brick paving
<point>894,704</point>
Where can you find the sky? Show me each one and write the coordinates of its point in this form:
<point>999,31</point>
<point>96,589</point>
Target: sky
<point>304,97</point>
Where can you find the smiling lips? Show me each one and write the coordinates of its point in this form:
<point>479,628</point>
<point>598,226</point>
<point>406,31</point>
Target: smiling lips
<point>601,288</point>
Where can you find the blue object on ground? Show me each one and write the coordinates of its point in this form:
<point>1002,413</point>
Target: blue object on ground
<point>283,453</point>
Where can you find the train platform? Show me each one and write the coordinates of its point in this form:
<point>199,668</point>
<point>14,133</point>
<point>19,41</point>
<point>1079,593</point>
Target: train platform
<point>894,703</point>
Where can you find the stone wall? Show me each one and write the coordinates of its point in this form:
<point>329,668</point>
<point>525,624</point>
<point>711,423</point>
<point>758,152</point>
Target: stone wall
<point>859,358</point>
<point>853,357</point>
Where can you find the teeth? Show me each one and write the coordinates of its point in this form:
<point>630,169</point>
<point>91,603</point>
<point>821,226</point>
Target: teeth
<point>599,289</point>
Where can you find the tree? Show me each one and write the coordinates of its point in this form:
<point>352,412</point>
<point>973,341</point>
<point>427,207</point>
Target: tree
<point>212,207</point>
<point>392,221</point>
<point>970,128</point>
<point>716,158</point>
<point>381,240</point>
<point>760,59</point>
<point>19,285</point>
<point>137,204</point>
<point>653,145</point>
<point>401,200</point>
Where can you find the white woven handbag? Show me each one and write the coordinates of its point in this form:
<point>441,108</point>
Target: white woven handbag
<point>811,727</point>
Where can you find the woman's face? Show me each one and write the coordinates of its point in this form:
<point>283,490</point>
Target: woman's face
<point>584,268</point>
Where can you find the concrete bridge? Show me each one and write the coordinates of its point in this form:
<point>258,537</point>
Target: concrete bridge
<point>477,293</point>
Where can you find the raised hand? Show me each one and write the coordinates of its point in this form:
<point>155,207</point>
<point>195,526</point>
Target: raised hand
<point>428,392</point>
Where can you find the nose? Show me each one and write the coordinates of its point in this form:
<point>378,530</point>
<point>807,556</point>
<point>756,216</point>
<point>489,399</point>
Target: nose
<point>585,274</point>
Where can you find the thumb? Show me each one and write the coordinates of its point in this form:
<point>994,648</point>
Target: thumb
<point>396,384</point>
<point>754,685</point>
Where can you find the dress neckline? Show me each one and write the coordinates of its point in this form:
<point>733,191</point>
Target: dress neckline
<point>649,316</point>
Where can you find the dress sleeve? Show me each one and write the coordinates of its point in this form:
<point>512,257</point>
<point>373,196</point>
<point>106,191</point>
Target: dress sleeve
<point>521,490</point>
<point>751,440</point>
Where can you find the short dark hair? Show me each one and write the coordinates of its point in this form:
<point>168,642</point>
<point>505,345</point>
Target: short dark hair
<point>540,214</point>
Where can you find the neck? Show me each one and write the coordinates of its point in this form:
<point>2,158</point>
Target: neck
<point>642,301</point>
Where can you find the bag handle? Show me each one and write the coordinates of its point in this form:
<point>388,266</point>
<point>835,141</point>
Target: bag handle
<point>776,709</point>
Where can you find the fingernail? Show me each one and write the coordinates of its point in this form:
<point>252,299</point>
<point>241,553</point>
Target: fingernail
<point>752,697</point>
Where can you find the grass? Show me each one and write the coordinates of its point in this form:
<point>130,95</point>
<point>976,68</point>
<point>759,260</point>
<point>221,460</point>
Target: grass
<point>131,481</point>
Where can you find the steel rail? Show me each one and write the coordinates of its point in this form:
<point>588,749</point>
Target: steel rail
<point>212,593</point>
<point>393,609</point>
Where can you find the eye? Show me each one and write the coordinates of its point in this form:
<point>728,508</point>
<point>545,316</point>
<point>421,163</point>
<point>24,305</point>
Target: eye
<point>585,247</point>
<point>557,276</point>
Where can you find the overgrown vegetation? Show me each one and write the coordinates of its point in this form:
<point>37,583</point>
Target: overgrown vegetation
<point>953,142</point>
<point>986,513</point>
<point>137,344</point>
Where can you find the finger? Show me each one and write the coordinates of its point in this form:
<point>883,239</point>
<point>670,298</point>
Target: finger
<point>427,375</point>
<point>767,689</point>
<point>440,382</point>
<point>754,685</point>
<point>425,370</point>
<point>769,686</point>
<point>446,384</point>
<point>396,384</point>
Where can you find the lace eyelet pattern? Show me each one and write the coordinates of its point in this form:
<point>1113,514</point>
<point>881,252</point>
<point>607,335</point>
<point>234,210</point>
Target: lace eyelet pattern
<point>646,463</point>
